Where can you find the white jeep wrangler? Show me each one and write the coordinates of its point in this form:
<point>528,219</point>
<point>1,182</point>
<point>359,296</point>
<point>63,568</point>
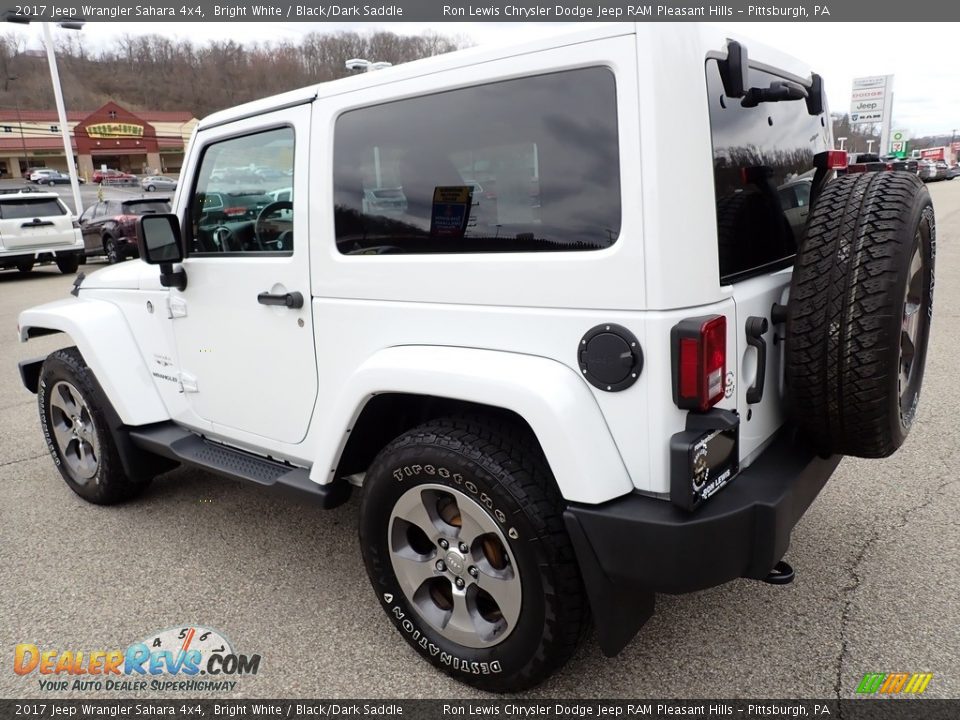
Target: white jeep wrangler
<point>587,320</point>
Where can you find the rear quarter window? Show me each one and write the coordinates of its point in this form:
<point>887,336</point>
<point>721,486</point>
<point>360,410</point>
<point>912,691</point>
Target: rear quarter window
<point>29,208</point>
<point>762,172</point>
<point>531,164</point>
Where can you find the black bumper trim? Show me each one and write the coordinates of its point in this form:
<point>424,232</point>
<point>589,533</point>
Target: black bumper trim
<point>645,545</point>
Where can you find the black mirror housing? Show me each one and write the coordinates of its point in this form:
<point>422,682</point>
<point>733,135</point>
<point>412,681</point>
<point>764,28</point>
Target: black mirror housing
<point>158,239</point>
<point>735,70</point>
<point>816,98</point>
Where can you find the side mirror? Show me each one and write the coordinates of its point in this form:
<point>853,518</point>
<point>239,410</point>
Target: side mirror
<point>735,70</point>
<point>158,240</point>
<point>817,97</point>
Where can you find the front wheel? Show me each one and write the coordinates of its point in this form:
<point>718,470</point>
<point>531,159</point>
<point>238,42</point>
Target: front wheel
<point>461,529</point>
<point>72,416</point>
<point>151,188</point>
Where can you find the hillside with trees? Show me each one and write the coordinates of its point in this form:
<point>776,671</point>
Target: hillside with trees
<point>160,73</point>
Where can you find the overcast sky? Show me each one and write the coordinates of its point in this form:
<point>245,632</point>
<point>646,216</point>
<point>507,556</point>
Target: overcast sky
<point>921,56</point>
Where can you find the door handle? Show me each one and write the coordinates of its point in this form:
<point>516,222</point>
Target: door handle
<point>756,327</point>
<point>292,300</point>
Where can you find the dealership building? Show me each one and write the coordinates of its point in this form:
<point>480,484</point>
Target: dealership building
<point>135,141</point>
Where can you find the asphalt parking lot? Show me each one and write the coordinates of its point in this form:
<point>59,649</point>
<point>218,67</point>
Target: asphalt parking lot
<point>876,556</point>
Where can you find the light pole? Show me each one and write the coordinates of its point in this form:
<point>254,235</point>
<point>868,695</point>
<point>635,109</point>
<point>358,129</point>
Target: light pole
<point>58,96</point>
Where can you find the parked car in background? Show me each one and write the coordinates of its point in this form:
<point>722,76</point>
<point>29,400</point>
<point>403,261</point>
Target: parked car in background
<point>37,227</point>
<point>927,170</point>
<point>109,227</point>
<point>112,176</point>
<point>38,175</point>
<point>953,172</point>
<point>943,170</point>
<point>31,170</point>
<point>158,182</point>
<point>55,177</point>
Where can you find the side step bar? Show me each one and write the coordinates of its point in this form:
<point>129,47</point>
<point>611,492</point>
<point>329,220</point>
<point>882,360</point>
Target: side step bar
<point>172,441</point>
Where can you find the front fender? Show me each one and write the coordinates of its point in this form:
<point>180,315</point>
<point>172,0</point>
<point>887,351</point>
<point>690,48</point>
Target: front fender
<point>102,336</point>
<point>550,396</point>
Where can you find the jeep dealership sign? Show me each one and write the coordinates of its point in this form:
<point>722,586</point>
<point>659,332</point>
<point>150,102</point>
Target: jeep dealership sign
<point>870,98</point>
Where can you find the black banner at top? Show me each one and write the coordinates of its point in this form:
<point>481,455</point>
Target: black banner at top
<point>379,11</point>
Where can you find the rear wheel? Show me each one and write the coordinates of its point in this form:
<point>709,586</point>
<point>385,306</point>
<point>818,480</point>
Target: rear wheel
<point>68,264</point>
<point>861,301</point>
<point>462,534</point>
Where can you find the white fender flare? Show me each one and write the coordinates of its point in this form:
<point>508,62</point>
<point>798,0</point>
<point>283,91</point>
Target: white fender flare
<point>102,336</point>
<point>550,396</point>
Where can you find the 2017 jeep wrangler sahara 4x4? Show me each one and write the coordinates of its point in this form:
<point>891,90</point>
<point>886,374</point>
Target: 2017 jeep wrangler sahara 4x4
<point>607,337</point>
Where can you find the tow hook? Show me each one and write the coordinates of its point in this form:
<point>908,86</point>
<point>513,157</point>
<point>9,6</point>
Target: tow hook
<point>782,574</point>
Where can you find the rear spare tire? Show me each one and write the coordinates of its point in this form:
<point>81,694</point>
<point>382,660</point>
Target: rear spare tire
<point>858,322</point>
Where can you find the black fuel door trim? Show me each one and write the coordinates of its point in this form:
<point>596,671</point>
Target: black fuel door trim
<point>610,357</point>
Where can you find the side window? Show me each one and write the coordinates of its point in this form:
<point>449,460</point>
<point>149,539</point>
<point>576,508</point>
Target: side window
<point>236,206</point>
<point>522,165</point>
<point>87,214</point>
<point>100,210</point>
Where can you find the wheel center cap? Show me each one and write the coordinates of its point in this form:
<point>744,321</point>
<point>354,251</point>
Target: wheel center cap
<point>455,562</point>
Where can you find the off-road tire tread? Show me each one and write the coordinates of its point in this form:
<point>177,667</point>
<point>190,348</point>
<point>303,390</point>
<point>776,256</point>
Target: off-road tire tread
<point>509,452</point>
<point>843,291</point>
<point>114,486</point>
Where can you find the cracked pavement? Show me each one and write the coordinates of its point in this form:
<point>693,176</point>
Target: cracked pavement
<point>877,559</point>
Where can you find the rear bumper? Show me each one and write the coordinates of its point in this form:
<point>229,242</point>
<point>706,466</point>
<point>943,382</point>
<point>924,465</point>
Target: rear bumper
<point>635,546</point>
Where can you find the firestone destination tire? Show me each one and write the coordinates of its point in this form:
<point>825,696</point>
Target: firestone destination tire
<point>462,534</point>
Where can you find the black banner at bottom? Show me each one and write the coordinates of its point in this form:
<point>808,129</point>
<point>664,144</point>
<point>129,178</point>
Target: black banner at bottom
<point>886,709</point>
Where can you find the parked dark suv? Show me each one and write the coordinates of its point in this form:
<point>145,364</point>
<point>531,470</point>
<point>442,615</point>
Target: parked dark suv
<point>110,227</point>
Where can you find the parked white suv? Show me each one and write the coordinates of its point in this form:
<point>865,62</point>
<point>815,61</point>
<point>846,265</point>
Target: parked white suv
<point>621,368</point>
<point>37,226</point>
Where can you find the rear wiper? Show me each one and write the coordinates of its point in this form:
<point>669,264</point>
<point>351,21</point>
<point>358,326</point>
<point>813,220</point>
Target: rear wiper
<point>778,91</point>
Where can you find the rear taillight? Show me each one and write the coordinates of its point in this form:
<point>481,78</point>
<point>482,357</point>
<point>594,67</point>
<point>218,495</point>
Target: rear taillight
<point>234,211</point>
<point>699,361</point>
<point>836,159</point>
<point>831,160</point>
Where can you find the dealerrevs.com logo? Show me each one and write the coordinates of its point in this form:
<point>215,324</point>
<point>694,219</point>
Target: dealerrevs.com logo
<point>190,658</point>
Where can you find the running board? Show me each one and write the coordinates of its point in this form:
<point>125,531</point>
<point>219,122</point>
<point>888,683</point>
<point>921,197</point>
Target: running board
<point>172,441</point>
